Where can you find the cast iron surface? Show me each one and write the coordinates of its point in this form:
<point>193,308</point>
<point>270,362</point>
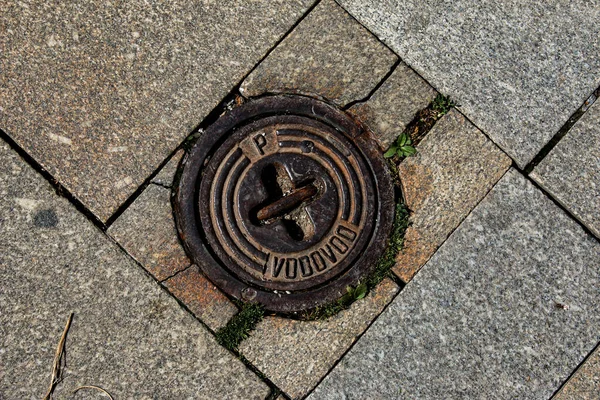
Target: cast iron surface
<point>284,201</point>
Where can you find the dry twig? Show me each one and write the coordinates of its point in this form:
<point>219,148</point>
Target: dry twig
<point>95,388</point>
<point>60,350</point>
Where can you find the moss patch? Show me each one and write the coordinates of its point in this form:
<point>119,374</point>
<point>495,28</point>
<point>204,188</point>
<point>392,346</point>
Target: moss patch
<point>238,328</point>
<point>382,270</point>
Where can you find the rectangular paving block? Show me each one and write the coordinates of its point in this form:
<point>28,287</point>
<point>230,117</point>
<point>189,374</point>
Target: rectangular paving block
<point>518,69</point>
<point>454,168</point>
<point>296,355</point>
<point>585,383</point>
<point>201,297</point>
<point>146,230</point>
<point>328,54</point>
<point>506,309</point>
<point>394,105</point>
<point>100,93</point>
<point>571,171</point>
<point>127,336</point>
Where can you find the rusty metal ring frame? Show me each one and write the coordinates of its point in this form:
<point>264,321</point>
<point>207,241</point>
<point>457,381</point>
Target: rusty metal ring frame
<point>284,201</point>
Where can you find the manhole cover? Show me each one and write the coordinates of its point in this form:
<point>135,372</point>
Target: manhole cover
<point>284,201</point>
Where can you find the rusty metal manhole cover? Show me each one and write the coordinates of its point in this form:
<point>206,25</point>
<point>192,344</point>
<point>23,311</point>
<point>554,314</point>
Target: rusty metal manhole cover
<point>284,201</point>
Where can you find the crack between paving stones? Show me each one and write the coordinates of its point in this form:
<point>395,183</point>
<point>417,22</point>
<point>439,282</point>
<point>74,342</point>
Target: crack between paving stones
<point>356,340</point>
<point>562,132</point>
<point>559,205</point>
<point>59,189</point>
<point>211,117</point>
<point>274,390</point>
<point>162,185</point>
<point>455,228</point>
<point>376,88</point>
<point>175,274</point>
<point>572,374</point>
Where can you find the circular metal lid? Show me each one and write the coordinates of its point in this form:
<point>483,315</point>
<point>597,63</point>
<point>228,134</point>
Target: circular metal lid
<point>284,201</point>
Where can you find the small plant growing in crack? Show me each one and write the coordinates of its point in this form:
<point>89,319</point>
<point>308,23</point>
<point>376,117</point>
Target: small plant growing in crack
<point>442,105</point>
<point>402,147</point>
<point>424,120</point>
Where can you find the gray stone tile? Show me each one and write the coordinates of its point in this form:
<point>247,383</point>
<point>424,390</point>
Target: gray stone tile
<point>394,105</point>
<point>296,355</point>
<point>128,335</point>
<point>147,231</point>
<point>518,69</point>
<point>481,320</point>
<point>328,54</point>
<point>571,172</point>
<point>201,297</point>
<point>166,175</point>
<point>585,383</point>
<point>101,93</point>
<point>454,168</point>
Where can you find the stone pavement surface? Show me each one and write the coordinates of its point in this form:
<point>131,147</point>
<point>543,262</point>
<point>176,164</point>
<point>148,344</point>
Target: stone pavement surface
<point>585,383</point>
<point>518,69</point>
<point>571,172</point>
<point>296,355</point>
<point>127,336</point>
<point>100,93</point>
<point>394,105</point>
<point>328,54</point>
<point>507,308</point>
<point>454,168</point>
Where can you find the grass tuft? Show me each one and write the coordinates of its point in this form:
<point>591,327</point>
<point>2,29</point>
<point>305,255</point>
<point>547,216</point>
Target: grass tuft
<point>442,105</point>
<point>238,328</point>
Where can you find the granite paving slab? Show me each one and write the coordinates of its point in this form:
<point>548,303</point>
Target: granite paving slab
<point>128,335</point>
<point>585,383</point>
<point>571,172</point>
<point>328,54</point>
<point>296,355</point>
<point>100,93</point>
<point>201,297</point>
<point>454,168</point>
<point>394,105</point>
<point>146,230</point>
<point>166,175</point>
<point>518,69</point>
<point>506,308</point>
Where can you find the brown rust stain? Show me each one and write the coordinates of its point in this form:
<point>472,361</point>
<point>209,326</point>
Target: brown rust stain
<point>417,186</point>
<point>198,293</point>
<point>416,252</point>
<point>416,181</point>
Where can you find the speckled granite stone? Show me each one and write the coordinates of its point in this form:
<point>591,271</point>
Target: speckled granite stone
<point>454,168</point>
<point>571,172</point>
<point>394,105</point>
<point>518,69</point>
<point>201,297</point>
<point>128,336</point>
<point>100,93</point>
<point>585,384</point>
<point>146,230</point>
<point>481,321</point>
<point>296,355</point>
<point>166,175</point>
<point>328,54</point>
